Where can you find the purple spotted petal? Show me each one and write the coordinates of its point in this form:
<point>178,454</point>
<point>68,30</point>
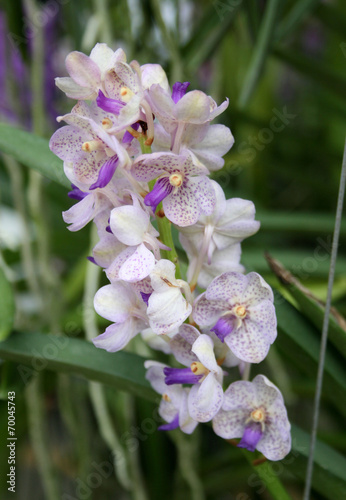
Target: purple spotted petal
<point>76,193</point>
<point>180,376</point>
<point>252,434</point>
<point>161,189</point>
<point>205,399</point>
<point>182,207</point>
<point>106,173</point>
<point>203,190</point>
<point>179,90</point>
<point>109,105</point>
<point>223,327</point>
<point>172,425</point>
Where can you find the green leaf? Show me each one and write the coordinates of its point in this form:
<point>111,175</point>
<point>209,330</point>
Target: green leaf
<point>209,33</point>
<point>7,306</point>
<point>329,466</point>
<point>297,15</point>
<point>299,341</point>
<point>311,307</point>
<point>33,152</point>
<point>260,53</point>
<point>36,352</point>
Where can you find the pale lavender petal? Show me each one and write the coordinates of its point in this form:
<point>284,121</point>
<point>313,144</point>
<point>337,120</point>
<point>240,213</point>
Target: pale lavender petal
<point>186,423</point>
<point>153,74</point>
<point>264,316</point>
<point>205,399</point>
<point>81,213</point>
<point>83,70</point>
<point>182,342</point>
<point>268,394</point>
<point>205,312</point>
<point>86,170</point>
<point>106,173</point>
<point>230,424</point>
<point>156,376</point>
<point>250,342</point>
<point>167,310</point>
<point>241,395</point>
<point>193,107</point>
<point>117,336</point>
<point>73,90</point>
<point>216,143</point>
<point>113,269</point>
<point>149,166</point>
<point>138,266</point>
<point>228,285</point>
<point>67,143</point>
<point>182,207</point>
<point>257,289</point>
<point>204,193</point>
<point>179,90</point>
<point>275,443</point>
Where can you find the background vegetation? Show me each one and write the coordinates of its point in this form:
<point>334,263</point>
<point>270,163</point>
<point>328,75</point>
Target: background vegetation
<point>82,430</point>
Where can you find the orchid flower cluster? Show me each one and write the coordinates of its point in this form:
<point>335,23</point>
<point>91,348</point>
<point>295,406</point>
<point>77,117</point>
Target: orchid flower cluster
<point>139,155</point>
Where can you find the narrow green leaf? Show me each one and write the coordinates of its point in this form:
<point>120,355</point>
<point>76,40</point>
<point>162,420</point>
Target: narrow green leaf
<point>260,53</point>
<point>300,222</point>
<point>33,152</point>
<point>36,352</point>
<point>310,306</point>
<point>7,306</point>
<point>299,342</point>
<point>329,470</point>
<point>209,33</point>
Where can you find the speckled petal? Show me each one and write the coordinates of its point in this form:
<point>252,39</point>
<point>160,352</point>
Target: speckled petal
<point>263,314</point>
<point>216,143</point>
<point>193,107</point>
<point>182,207</point>
<point>138,266</point>
<point>250,342</point>
<point>240,395</point>
<point>204,193</point>
<point>206,312</point>
<point>205,399</point>
<point>67,142</point>
<point>186,422</point>
<point>257,289</point>
<point>156,376</point>
<point>230,424</point>
<point>227,286</point>
<point>275,444</point>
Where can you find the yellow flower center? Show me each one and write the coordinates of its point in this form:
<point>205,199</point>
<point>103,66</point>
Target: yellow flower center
<point>90,146</point>
<point>165,397</point>
<point>126,94</point>
<point>240,312</point>
<point>258,415</point>
<point>176,179</point>
<point>198,368</point>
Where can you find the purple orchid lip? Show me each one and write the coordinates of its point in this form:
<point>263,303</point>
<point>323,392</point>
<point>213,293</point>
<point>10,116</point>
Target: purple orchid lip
<point>172,425</point>
<point>251,436</point>
<point>159,192</point>
<point>179,90</point>
<point>180,376</point>
<point>76,193</point>
<point>223,327</point>
<point>109,105</point>
<point>145,297</point>
<point>106,173</point>
<point>129,137</point>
